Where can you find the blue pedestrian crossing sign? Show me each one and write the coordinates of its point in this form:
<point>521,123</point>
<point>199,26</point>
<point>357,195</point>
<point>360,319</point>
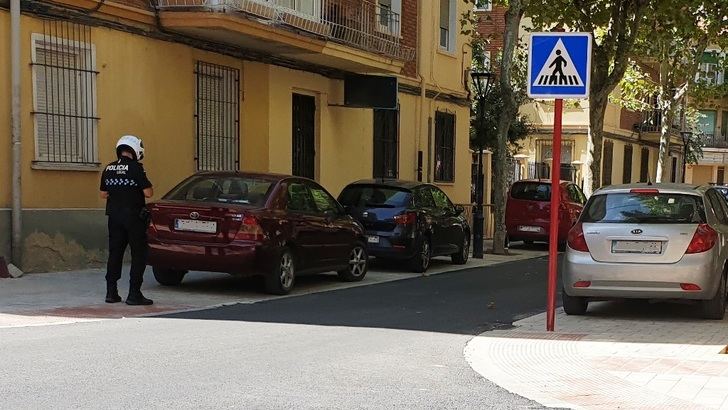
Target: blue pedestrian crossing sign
<point>559,65</point>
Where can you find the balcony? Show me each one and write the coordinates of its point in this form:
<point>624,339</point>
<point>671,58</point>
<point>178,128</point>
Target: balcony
<point>353,35</point>
<point>715,141</point>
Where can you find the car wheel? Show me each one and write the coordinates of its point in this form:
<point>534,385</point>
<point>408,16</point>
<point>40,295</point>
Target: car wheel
<point>282,276</point>
<point>168,277</point>
<point>358,264</point>
<point>461,256</point>
<point>715,308</point>
<point>421,261</point>
<point>574,305</point>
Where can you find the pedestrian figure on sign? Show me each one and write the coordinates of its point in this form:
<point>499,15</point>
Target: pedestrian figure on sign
<point>558,62</point>
<point>125,186</point>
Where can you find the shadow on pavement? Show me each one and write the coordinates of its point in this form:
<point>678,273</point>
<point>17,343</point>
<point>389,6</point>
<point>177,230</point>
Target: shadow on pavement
<point>464,302</point>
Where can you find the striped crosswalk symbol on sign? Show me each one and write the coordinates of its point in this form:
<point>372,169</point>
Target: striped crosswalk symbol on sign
<point>559,70</point>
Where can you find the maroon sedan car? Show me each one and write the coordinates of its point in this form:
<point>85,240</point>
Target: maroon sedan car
<point>277,226</point>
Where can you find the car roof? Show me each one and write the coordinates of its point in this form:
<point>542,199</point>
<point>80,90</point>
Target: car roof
<point>667,187</point>
<point>541,181</point>
<point>394,183</point>
<point>257,175</point>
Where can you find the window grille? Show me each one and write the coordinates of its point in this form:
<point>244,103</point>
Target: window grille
<point>218,117</point>
<point>64,94</point>
<point>386,143</point>
<point>444,147</point>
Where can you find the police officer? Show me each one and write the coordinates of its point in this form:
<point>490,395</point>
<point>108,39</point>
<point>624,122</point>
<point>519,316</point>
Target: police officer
<point>124,185</point>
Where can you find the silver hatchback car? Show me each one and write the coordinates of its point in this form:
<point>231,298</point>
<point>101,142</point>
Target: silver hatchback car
<point>663,241</point>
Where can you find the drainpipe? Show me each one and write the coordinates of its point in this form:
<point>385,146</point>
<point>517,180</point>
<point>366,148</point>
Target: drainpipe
<point>419,160</point>
<point>15,129</point>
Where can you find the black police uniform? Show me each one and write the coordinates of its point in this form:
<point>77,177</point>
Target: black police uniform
<point>125,181</point>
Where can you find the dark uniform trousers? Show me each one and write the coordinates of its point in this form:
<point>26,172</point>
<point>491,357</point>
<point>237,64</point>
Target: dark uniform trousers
<point>127,228</point>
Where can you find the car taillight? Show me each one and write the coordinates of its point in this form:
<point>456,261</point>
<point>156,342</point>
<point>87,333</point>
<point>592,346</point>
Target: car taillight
<point>250,230</point>
<point>576,239</point>
<point>703,240</point>
<point>407,218</point>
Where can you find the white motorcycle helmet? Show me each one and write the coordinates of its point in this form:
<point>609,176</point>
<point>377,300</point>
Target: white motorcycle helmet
<point>133,142</point>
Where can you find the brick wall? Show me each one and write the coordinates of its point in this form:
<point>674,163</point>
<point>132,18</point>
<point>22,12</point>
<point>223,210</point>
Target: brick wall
<point>627,119</point>
<point>409,33</point>
<point>492,28</point>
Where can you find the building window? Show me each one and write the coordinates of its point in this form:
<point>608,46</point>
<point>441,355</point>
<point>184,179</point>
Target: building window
<point>709,72</point>
<point>64,94</point>
<point>483,5</point>
<point>644,165</point>
<point>721,176</point>
<point>447,24</point>
<point>388,16</point>
<point>627,165</point>
<point>607,159</point>
<point>218,117</point>
<point>444,147</point>
<point>305,8</point>
<point>706,123</point>
<point>386,143</point>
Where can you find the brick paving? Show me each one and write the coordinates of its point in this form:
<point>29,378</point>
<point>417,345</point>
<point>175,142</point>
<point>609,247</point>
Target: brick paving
<point>619,356</point>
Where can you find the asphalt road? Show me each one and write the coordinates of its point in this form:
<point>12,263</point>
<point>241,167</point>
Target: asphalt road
<point>392,345</point>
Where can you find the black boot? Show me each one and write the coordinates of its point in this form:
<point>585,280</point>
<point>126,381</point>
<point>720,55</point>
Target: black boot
<point>136,298</point>
<point>112,293</point>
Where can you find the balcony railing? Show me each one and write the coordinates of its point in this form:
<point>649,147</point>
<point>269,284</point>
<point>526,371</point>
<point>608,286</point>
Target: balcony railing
<point>357,23</point>
<point>652,122</point>
<point>715,141</point>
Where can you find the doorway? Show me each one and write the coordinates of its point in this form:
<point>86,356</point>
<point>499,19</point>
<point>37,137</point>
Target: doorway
<point>304,136</point>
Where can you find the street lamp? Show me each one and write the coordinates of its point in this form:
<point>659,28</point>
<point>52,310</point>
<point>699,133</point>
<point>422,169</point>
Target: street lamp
<point>482,80</point>
<point>686,135</point>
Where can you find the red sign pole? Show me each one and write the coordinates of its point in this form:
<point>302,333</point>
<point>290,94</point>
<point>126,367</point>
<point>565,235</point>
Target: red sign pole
<point>554,226</point>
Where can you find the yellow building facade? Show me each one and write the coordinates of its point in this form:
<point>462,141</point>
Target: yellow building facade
<point>208,87</point>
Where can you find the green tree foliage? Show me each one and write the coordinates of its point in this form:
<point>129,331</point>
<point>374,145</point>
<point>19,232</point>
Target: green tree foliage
<point>614,26</point>
<point>672,44</point>
<point>505,100</point>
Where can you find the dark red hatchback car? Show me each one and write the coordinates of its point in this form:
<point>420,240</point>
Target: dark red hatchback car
<point>277,226</point>
<point>528,210</point>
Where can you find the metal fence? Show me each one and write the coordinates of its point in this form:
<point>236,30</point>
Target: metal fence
<point>359,23</point>
<point>488,220</point>
<point>542,170</point>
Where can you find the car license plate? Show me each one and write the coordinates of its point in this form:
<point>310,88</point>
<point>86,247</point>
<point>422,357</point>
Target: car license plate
<point>525,228</point>
<point>191,225</point>
<point>373,239</point>
<point>645,247</point>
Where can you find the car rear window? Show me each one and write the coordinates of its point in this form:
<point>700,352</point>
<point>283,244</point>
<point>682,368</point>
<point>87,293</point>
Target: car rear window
<point>644,208</point>
<point>216,189</point>
<point>375,196</point>
<point>531,191</point>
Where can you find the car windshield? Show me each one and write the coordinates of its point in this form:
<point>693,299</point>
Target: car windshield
<point>531,191</point>
<point>222,189</point>
<point>644,208</point>
<point>374,196</point>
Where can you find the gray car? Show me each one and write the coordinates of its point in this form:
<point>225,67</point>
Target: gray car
<point>664,241</point>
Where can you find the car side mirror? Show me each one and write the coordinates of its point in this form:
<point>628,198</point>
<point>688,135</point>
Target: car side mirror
<point>459,209</point>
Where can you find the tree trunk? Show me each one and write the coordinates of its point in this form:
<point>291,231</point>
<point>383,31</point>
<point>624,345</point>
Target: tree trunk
<point>506,118</point>
<point>668,108</point>
<point>597,107</point>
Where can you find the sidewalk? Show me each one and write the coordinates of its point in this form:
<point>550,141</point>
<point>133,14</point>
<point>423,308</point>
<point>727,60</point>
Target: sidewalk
<point>67,297</point>
<point>621,355</point>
